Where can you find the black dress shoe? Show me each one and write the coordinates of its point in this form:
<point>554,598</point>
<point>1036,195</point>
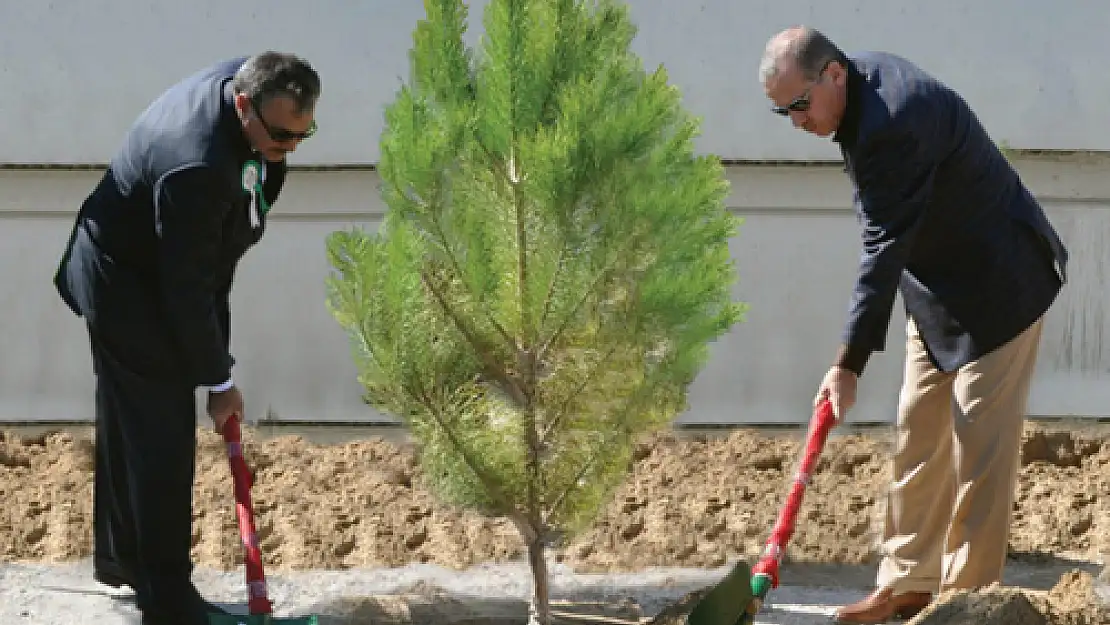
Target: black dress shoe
<point>112,575</point>
<point>191,609</point>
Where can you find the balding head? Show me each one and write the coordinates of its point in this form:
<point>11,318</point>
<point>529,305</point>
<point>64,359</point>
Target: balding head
<point>798,47</point>
<point>805,75</point>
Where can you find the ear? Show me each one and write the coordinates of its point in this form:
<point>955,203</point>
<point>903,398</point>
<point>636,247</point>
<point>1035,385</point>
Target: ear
<point>838,73</point>
<point>242,104</point>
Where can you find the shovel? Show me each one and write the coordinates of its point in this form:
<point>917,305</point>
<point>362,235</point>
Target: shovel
<point>737,598</point>
<point>258,602</point>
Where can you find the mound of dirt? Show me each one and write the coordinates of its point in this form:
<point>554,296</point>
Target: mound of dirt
<point>1076,600</point>
<point>46,487</point>
<point>991,606</point>
<point>1073,601</point>
<point>686,502</point>
<point>1063,495</point>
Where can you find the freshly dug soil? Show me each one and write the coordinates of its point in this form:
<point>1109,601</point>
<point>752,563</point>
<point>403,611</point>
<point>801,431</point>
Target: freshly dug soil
<point>1073,601</point>
<point>1004,606</point>
<point>686,502</point>
<point>1076,601</point>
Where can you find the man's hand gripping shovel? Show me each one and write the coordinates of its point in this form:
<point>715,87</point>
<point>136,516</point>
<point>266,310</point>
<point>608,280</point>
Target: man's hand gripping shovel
<point>737,598</point>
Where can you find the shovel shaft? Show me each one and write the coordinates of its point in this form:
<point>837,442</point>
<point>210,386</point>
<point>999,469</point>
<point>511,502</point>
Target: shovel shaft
<point>258,601</point>
<point>765,574</point>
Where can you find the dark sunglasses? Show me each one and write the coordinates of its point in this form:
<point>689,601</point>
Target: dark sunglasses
<point>800,104</point>
<point>282,135</point>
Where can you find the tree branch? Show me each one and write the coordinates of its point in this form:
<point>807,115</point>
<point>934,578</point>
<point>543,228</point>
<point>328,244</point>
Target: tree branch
<point>491,485</point>
<point>551,287</point>
<point>586,379</point>
<point>586,466</point>
<point>608,434</point>
<point>441,235</point>
<point>491,366</point>
<point>601,274</point>
<point>527,331</point>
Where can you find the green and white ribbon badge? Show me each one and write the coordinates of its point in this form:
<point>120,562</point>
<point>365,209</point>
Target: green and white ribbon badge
<point>253,175</point>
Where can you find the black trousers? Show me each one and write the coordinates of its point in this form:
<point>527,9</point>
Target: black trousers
<point>145,461</point>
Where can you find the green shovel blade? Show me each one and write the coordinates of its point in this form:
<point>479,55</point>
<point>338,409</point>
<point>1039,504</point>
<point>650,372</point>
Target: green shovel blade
<point>260,619</point>
<point>727,602</point>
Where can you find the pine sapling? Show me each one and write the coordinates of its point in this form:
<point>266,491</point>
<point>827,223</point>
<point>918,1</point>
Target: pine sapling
<point>552,266</point>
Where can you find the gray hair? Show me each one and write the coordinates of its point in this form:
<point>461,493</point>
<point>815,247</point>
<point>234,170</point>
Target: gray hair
<point>804,47</point>
<point>271,74</point>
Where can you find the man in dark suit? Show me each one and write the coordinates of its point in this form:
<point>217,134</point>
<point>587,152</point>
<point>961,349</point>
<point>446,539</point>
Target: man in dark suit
<point>149,266</point>
<point>948,223</point>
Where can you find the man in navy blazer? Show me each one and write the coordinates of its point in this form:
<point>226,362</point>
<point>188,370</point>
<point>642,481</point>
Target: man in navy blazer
<point>947,222</point>
<point>149,267</point>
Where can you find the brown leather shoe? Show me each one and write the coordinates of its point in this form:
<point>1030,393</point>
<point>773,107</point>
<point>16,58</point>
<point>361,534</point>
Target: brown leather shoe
<point>882,606</point>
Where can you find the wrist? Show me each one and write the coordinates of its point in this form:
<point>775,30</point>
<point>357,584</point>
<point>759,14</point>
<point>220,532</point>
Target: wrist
<point>852,358</point>
<point>220,388</point>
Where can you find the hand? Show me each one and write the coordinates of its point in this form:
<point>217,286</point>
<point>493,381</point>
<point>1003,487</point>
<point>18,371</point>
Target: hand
<point>839,387</point>
<point>225,405</point>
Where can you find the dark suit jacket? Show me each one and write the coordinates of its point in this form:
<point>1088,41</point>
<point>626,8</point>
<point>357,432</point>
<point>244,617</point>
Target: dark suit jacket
<point>151,257</point>
<point>945,219</point>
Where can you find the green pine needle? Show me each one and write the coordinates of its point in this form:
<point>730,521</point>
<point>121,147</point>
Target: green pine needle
<point>553,264</point>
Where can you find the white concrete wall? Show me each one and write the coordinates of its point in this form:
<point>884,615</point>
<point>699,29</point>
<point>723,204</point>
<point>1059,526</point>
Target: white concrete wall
<point>74,74</point>
<point>795,253</point>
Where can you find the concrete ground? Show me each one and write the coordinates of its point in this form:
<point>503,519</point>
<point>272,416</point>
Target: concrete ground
<point>63,594</point>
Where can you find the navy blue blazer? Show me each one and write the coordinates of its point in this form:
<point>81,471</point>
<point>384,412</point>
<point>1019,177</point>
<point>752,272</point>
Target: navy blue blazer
<point>945,218</point>
<point>151,257</point>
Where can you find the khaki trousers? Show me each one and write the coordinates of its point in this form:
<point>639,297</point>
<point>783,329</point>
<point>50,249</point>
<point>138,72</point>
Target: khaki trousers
<point>956,457</point>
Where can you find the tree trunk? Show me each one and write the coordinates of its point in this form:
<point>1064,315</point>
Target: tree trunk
<point>540,609</point>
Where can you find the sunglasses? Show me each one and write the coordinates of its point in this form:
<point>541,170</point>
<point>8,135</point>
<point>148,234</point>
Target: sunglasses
<point>282,135</point>
<point>800,104</point>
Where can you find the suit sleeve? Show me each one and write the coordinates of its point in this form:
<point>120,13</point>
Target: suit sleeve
<point>189,216</point>
<point>894,180</point>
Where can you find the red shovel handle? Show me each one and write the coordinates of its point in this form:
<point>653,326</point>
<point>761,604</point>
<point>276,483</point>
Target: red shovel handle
<point>258,602</point>
<point>820,425</point>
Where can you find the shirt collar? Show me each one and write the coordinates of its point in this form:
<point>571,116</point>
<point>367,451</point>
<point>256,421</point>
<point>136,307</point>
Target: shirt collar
<point>849,124</point>
<point>231,117</point>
